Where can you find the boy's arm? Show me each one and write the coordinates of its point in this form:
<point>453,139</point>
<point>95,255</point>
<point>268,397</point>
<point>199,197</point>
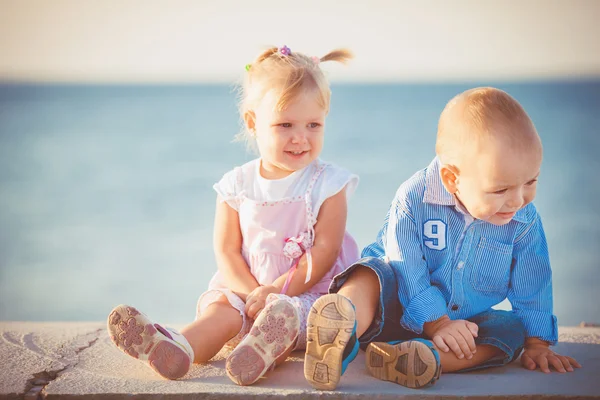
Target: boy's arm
<point>422,302</point>
<point>425,308</point>
<point>530,295</point>
<point>530,291</point>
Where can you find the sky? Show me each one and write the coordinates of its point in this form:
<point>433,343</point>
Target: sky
<point>211,41</point>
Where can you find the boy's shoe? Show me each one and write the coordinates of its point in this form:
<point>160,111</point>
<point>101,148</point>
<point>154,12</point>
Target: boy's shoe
<point>274,331</point>
<point>164,349</point>
<point>413,363</point>
<point>331,342</point>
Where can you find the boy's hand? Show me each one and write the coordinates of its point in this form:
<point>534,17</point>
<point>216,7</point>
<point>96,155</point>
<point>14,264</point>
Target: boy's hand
<point>537,353</point>
<point>257,299</point>
<point>456,335</point>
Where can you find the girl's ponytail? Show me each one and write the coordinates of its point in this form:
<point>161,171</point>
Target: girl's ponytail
<point>339,55</point>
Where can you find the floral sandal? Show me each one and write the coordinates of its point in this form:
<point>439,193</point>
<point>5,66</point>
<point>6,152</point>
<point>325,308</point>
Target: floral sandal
<point>274,331</point>
<point>164,349</point>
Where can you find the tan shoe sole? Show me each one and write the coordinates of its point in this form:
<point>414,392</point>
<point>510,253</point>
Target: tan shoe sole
<point>412,363</point>
<point>329,327</point>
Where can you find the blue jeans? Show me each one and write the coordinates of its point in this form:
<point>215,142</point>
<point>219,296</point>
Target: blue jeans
<point>498,328</point>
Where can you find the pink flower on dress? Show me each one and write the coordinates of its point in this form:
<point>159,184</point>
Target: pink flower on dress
<point>131,333</point>
<point>296,246</point>
<point>274,329</point>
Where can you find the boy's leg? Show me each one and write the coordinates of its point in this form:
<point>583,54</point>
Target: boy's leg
<point>484,352</point>
<point>330,333</point>
<point>362,289</point>
<point>217,324</point>
<point>411,363</point>
<point>361,295</point>
<point>500,339</point>
<point>370,284</point>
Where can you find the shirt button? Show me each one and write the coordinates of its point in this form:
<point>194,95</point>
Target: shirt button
<point>454,307</point>
<point>460,265</point>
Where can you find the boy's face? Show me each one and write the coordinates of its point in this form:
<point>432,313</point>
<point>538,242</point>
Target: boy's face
<point>497,180</point>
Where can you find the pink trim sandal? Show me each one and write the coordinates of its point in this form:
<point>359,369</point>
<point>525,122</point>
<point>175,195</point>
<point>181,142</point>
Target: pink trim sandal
<point>164,349</point>
<point>274,331</point>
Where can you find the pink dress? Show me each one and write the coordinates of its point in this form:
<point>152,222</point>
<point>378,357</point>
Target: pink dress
<point>275,235</point>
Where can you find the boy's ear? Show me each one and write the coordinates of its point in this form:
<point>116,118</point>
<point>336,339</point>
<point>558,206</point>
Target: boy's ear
<point>250,121</point>
<point>449,174</point>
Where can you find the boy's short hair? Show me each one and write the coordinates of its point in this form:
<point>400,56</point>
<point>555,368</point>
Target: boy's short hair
<point>477,114</point>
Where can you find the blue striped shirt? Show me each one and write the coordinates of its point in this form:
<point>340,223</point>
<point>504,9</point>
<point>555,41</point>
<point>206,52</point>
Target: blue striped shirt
<point>447,263</point>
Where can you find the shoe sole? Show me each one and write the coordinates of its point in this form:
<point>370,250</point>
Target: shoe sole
<point>274,331</point>
<point>135,335</point>
<point>412,364</point>
<point>329,327</point>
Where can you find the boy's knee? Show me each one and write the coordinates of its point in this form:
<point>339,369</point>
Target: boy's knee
<point>507,321</point>
<point>510,319</point>
<point>365,275</point>
<point>356,278</point>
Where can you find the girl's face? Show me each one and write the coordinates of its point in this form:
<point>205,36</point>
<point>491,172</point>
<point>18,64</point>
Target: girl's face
<point>290,139</point>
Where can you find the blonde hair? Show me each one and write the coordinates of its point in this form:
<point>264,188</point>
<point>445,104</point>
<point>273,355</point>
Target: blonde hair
<point>287,74</point>
<point>476,114</point>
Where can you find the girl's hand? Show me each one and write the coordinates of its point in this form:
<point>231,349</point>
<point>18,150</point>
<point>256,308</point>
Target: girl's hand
<point>257,299</point>
<point>539,354</point>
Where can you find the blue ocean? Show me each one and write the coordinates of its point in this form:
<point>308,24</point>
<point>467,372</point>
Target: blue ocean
<point>106,191</point>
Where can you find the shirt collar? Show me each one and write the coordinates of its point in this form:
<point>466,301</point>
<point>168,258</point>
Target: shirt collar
<point>436,193</point>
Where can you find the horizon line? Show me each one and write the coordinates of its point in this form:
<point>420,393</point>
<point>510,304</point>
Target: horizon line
<point>375,81</point>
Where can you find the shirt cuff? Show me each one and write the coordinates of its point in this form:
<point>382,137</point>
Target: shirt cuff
<point>539,324</point>
<point>427,306</point>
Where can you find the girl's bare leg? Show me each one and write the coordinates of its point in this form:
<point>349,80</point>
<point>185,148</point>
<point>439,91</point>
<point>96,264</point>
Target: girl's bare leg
<point>216,326</point>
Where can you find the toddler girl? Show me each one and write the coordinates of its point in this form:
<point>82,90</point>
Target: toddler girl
<point>279,235</point>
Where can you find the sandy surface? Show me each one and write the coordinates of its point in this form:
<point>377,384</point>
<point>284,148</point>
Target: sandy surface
<point>78,359</point>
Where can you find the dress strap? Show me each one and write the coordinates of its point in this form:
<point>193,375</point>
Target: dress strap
<point>311,219</point>
<point>295,247</point>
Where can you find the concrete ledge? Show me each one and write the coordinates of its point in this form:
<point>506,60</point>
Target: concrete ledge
<point>76,360</point>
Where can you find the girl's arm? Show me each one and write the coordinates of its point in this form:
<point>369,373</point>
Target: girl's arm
<point>329,234</point>
<point>228,251</point>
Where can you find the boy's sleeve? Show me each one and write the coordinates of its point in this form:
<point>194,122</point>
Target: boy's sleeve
<point>530,292</point>
<point>422,302</point>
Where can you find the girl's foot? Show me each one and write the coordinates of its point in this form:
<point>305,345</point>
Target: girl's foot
<point>274,331</point>
<point>414,363</point>
<point>164,349</point>
<point>331,342</point>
